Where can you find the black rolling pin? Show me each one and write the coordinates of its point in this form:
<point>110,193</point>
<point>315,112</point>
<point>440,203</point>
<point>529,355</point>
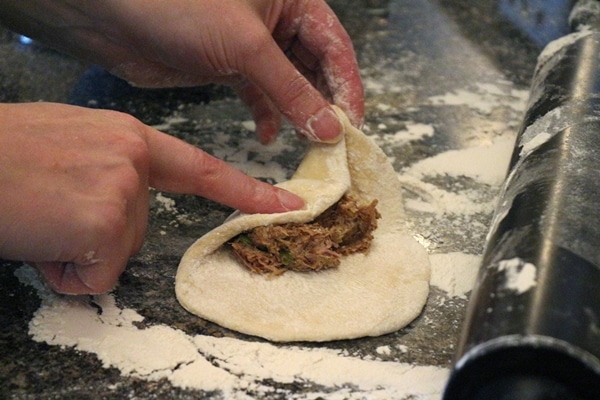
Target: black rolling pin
<point>532,326</point>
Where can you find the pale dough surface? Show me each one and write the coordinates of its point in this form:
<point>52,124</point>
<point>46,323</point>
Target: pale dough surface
<point>368,295</point>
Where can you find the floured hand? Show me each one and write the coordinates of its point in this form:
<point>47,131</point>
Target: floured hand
<point>286,58</point>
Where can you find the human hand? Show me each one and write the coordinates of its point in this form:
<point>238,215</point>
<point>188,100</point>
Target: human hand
<point>75,194</point>
<point>286,58</point>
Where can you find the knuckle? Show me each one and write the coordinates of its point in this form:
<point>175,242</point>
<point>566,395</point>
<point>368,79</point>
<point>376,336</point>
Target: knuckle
<point>137,150</point>
<point>210,168</point>
<point>122,118</point>
<point>294,89</point>
<point>127,134</point>
<point>253,43</point>
<point>121,122</point>
<point>110,220</point>
<point>129,183</point>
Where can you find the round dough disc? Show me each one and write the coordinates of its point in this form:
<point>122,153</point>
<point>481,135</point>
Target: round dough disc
<point>367,295</point>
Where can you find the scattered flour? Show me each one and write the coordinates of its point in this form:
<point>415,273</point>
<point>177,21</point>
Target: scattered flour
<point>549,125</point>
<point>249,125</point>
<point>169,122</point>
<point>236,367</point>
<point>403,348</point>
<point>439,201</point>
<point>559,44</point>
<point>384,350</point>
<point>484,98</point>
<point>535,142</point>
<point>412,131</point>
<point>454,273</point>
<point>520,275</point>
<point>165,203</point>
<point>486,164</point>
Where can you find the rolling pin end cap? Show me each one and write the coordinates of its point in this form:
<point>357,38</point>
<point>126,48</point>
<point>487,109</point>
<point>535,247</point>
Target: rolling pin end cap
<point>525,388</point>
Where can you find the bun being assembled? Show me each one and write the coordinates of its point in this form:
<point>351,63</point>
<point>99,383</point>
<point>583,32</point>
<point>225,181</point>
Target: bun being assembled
<point>379,288</point>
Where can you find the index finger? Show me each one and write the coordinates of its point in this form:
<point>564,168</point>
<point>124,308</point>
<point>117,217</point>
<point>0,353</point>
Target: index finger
<point>177,166</point>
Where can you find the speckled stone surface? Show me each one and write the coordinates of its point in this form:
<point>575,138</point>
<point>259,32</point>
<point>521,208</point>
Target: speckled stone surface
<point>408,52</point>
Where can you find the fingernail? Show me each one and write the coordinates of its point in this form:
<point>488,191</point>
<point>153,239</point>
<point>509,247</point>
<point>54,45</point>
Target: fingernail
<point>289,201</point>
<point>324,126</point>
<point>89,279</point>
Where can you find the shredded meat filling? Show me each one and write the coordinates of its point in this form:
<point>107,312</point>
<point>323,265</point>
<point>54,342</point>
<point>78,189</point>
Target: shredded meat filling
<point>343,229</point>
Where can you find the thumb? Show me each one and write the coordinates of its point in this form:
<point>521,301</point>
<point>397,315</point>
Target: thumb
<point>72,278</point>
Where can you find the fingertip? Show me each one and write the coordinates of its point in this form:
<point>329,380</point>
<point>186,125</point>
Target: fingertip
<point>74,279</point>
<point>324,126</point>
<point>356,114</point>
<point>289,201</point>
<point>268,199</point>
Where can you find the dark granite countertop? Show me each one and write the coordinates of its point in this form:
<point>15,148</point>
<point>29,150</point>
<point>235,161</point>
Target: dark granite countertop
<point>410,53</point>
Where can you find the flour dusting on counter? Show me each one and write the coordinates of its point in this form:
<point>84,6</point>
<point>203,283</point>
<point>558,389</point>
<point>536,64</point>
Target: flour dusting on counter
<point>455,273</point>
<point>486,164</point>
<point>484,97</point>
<point>233,366</point>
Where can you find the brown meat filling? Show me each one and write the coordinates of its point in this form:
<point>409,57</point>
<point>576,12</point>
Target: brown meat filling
<point>343,229</point>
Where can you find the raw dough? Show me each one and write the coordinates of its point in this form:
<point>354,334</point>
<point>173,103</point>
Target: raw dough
<point>368,295</point>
